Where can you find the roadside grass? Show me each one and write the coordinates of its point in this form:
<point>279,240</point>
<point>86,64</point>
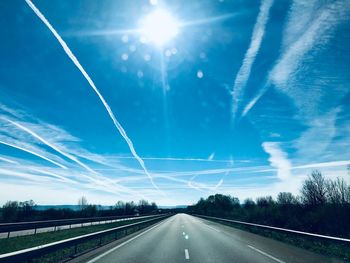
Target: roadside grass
<point>21,242</point>
<point>324,247</point>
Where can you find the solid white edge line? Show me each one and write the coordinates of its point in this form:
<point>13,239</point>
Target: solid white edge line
<point>265,254</point>
<point>124,243</point>
<point>187,255</point>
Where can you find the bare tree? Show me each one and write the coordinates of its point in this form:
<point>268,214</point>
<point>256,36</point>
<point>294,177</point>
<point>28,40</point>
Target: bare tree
<point>82,203</point>
<point>314,191</point>
<point>337,191</point>
<point>10,211</point>
<point>265,201</point>
<point>286,198</point>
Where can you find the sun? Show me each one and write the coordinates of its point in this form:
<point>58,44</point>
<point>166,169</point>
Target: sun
<point>159,27</point>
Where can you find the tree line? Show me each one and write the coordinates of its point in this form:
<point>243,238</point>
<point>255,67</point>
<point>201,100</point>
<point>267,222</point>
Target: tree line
<point>14,211</point>
<point>322,206</point>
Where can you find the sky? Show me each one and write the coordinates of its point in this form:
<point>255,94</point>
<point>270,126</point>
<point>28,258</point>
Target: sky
<point>170,101</point>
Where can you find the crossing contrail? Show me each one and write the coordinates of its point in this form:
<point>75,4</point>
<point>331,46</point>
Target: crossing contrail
<point>92,84</point>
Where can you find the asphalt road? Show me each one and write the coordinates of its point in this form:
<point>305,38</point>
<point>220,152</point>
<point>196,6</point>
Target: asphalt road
<point>184,238</point>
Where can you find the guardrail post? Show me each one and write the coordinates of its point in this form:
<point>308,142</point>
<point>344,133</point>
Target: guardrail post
<point>35,231</point>
<point>8,234</point>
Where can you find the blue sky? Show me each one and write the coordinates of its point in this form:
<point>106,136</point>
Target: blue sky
<point>247,99</point>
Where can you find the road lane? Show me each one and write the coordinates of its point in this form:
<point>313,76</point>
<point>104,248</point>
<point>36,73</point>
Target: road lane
<point>184,238</point>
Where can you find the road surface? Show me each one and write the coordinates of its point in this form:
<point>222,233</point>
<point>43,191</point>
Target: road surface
<point>184,238</point>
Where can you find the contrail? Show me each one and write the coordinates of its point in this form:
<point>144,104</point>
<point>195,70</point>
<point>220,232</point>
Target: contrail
<point>73,158</point>
<point>92,84</point>
<point>42,179</point>
<point>35,135</point>
<point>33,153</point>
<point>252,103</point>
<point>249,58</point>
<point>176,159</point>
<point>7,160</point>
<point>54,175</point>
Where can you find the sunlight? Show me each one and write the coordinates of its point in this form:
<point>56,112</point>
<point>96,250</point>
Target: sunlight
<point>159,27</point>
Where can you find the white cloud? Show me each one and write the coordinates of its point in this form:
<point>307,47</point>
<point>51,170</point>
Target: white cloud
<point>278,159</point>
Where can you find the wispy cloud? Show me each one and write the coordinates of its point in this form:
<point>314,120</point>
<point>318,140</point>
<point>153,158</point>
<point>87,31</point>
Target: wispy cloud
<point>309,24</point>
<point>317,32</point>
<point>33,153</point>
<point>92,84</point>
<point>34,136</point>
<point>315,140</point>
<point>278,159</point>
<point>249,58</point>
<point>7,160</point>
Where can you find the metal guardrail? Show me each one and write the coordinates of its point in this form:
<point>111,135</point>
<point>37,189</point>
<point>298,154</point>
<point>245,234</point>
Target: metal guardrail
<point>347,241</point>
<point>40,251</point>
<point>34,225</point>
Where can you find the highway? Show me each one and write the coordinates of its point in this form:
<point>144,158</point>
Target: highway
<point>184,238</point>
